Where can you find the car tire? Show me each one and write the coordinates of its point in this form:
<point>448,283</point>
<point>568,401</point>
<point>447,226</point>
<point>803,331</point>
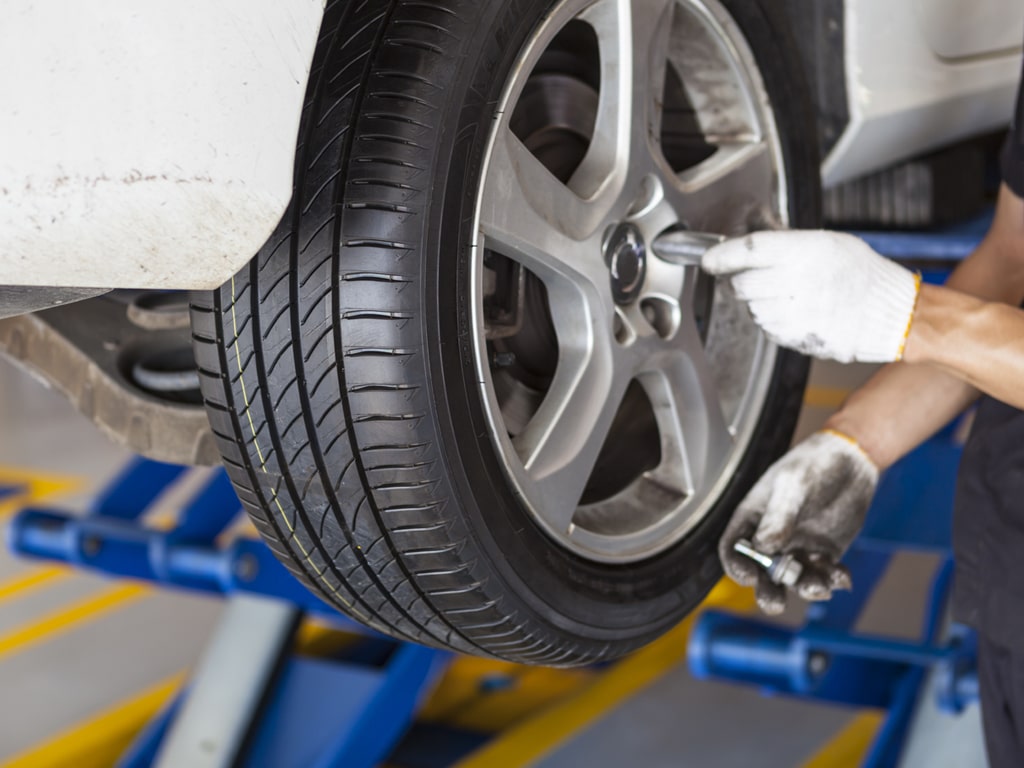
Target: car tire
<point>341,369</point>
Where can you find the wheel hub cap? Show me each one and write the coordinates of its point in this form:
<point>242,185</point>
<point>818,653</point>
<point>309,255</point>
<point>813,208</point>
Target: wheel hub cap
<point>626,256</point>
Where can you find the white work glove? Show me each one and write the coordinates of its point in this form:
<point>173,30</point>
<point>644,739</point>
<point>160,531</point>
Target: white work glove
<point>825,294</point>
<point>810,504</point>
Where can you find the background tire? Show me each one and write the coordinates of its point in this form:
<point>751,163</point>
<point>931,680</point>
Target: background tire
<point>338,368</point>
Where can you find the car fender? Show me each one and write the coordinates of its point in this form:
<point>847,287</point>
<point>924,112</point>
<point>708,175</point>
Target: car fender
<point>147,145</point>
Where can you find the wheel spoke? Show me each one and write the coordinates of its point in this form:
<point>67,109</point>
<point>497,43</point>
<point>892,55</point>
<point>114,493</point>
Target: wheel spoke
<point>560,445</point>
<point>652,27</point>
<point>695,436</point>
<point>728,191</point>
<point>633,42</point>
<point>530,216</point>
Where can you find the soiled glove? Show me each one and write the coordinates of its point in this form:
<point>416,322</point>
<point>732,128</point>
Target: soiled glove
<point>811,504</point>
<point>825,294</point>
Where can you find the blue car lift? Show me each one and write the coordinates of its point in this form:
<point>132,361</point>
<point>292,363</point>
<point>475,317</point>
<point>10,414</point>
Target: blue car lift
<point>826,659</point>
<point>250,701</point>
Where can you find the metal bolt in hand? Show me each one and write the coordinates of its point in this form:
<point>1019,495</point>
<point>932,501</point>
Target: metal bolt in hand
<point>782,569</point>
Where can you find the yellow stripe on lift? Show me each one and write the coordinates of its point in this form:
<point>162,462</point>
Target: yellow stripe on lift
<point>528,742</point>
<point>20,585</point>
<point>850,745</point>
<point>34,487</point>
<point>462,699</point>
<point>825,397</point>
<point>68,617</point>
<point>99,741</point>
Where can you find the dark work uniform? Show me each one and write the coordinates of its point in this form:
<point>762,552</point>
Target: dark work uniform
<point>988,541</point>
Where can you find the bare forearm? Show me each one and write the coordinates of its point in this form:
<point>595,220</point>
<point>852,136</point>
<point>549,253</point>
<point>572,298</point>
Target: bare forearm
<point>905,403</point>
<point>900,407</point>
<point>979,342</point>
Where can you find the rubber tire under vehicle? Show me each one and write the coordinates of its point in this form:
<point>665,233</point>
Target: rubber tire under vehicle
<point>338,372</point>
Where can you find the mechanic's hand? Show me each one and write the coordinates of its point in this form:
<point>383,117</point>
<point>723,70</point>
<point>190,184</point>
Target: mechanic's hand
<point>825,294</point>
<point>811,504</point>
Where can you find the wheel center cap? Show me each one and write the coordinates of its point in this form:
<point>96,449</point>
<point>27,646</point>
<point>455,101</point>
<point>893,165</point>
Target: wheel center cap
<point>626,256</point>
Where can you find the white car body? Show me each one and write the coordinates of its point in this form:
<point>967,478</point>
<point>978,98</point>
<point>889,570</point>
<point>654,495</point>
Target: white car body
<point>150,145</point>
<point>147,144</point>
<point>923,73</point>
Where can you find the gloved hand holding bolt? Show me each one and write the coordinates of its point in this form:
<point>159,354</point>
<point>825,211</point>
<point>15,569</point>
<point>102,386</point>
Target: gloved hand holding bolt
<point>809,505</point>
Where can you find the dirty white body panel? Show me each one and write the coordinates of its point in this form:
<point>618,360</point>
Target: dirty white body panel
<point>147,144</point>
<point>150,145</point>
<point>923,73</point>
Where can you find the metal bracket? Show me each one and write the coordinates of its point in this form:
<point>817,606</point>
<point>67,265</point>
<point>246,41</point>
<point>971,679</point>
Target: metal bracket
<point>230,683</point>
<point>86,351</point>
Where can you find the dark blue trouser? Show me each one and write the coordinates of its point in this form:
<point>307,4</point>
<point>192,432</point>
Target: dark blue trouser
<point>1001,681</point>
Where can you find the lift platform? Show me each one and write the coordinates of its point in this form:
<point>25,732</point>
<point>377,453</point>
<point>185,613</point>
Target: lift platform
<point>251,701</point>
<point>254,703</point>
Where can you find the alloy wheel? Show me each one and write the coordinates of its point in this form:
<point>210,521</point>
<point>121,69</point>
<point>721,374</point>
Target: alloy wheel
<point>622,385</point>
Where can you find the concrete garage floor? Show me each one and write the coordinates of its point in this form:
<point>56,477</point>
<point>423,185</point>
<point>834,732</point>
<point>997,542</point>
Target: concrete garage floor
<point>75,646</point>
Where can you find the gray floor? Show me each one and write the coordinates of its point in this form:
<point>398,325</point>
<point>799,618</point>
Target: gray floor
<point>56,683</point>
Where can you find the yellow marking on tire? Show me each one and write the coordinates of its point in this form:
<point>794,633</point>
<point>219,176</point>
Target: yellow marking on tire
<point>69,617</point>
<point>530,741</point>
<point>263,463</point>
<point>22,584</point>
<point>101,740</point>
<point>825,397</point>
<point>850,745</point>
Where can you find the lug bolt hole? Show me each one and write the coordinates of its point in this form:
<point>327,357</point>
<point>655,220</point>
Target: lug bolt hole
<point>663,316</point>
<point>623,333</point>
